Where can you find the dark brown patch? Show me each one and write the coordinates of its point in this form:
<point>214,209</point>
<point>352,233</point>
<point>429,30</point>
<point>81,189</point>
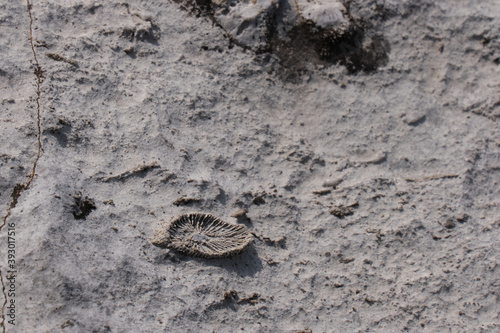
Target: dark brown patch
<point>82,207</point>
<point>16,193</point>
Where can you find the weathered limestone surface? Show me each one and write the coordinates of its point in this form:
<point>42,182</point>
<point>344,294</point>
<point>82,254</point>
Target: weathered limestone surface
<point>358,142</point>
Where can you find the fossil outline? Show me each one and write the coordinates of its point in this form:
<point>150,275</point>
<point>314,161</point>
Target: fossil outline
<point>203,235</point>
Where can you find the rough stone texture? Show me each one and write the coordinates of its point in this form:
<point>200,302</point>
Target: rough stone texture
<point>247,22</point>
<point>253,24</point>
<point>144,103</point>
<point>324,14</point>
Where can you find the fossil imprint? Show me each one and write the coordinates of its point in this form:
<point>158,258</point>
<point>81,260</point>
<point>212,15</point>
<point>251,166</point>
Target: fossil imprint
<point>203,235</point>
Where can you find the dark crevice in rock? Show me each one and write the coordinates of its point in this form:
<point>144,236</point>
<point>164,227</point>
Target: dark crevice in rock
<point>82,207</point>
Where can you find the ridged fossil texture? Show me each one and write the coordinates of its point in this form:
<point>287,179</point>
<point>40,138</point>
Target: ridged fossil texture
<point>203,235</point>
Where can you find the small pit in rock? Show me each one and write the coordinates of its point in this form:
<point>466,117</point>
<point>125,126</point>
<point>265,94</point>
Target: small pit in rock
<point>82,207</point>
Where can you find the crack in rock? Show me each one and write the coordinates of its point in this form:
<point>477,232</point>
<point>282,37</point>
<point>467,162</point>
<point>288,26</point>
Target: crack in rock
<point>19,188</point>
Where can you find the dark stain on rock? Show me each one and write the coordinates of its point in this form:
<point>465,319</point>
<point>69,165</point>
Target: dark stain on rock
<point>355,49</point>
<point>82,207</point>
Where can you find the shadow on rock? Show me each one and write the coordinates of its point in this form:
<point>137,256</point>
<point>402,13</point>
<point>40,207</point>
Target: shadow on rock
<point>244,264</point>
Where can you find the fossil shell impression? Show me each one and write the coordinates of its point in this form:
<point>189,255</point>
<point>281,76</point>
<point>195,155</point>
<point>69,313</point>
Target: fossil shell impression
<point>203,235</point>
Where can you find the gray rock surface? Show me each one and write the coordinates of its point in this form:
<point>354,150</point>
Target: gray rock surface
<point>324,14</point>
<point>257,24</point>
<point>367,164</point>
<point>246,22</point>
